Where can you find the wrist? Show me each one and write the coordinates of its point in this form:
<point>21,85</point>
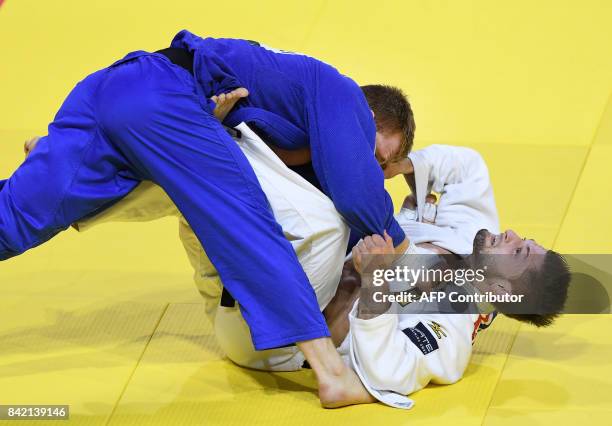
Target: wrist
<point>403,246</point>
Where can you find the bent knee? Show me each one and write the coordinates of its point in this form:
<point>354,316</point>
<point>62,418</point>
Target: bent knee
<point>233,336</point>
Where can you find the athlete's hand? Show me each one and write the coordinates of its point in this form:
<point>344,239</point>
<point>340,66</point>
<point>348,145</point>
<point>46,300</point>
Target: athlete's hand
<point>430,210</point>
<point>30,144</point>
<point>373,252</point>
<point>410,202</point>
<point>226,101</point>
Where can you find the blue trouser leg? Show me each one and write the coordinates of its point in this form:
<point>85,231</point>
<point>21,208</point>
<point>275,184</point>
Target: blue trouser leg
<point>143,120</point>
<point>73,172</point>
<point>150,110</point>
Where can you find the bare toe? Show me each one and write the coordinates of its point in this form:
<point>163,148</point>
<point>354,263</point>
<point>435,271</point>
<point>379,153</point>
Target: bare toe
<point>241,92</point>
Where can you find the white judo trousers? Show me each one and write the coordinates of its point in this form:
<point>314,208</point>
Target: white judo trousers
<point>309,220</point>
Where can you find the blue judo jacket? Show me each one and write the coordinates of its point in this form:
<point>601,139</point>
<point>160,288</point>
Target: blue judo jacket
<point>297,101</point>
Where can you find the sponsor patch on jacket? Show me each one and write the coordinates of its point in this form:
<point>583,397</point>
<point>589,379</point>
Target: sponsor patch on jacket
<point>437,329</point>
<point>422,338</point>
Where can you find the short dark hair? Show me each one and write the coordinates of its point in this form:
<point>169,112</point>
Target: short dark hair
<point>545,290</point>
<point>392,112</point>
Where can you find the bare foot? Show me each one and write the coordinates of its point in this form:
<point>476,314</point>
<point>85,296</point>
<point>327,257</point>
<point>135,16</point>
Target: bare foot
<point>226,101</point>
<point>30,144</point>
<point>345,389</point>
<point>338,384</point>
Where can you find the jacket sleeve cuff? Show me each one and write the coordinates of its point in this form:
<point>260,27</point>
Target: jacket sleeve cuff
<point>396,232</point>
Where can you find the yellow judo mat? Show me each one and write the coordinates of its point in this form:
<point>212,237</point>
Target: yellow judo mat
<point>109,321</point>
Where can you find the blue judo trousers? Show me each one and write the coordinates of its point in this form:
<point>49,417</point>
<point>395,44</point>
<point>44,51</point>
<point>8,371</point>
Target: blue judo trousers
<point>145,118</point>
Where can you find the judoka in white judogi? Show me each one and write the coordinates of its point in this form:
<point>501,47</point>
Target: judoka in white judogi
<point>394,355</point>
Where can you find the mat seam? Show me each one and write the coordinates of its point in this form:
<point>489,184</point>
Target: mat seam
<point>582,168</point>
<point>500,375</point>
<point>558,233</point>
<point>140,357</point>
<point>315,21</point>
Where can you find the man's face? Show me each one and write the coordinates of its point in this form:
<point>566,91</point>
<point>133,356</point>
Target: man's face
<point>388,145</point>
<point>507,255</point>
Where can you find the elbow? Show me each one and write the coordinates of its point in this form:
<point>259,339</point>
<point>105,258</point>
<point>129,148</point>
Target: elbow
<point>453,375</point>
<point>397,377</point>
<point>477,159</point>
<point>402,385</point>
<point>345,207</point>
<point>353,213</point>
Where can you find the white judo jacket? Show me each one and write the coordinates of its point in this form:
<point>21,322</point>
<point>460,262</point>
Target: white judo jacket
<point>398,354</point>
